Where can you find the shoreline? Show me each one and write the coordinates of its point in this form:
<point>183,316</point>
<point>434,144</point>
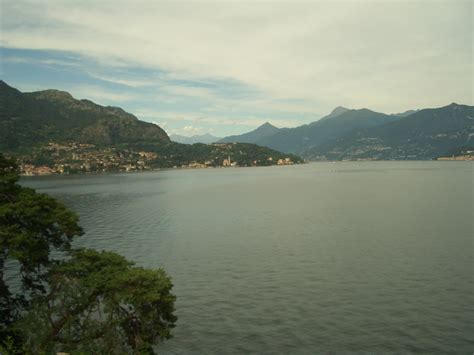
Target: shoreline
<point>122,172</point>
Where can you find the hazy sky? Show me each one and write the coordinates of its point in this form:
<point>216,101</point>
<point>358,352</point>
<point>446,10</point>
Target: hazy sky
<point>225,67</point>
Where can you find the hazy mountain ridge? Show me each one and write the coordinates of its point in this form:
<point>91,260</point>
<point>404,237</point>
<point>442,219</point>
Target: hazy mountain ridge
<point>405,114</point>
<point>34,119</point>
<point>425,134</point>
<point>255,136</point>
<point>203,138</point>
<point>366,134</point>
<point>303,138</point>
<point>334,113</point>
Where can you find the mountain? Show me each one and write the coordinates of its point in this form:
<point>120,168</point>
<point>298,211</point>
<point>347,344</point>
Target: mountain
<point>204,138</point>
<point>32,119</point>
<point>425,134</point>
<point>51,132</point>
<point>405,114</point>
<point>334,113</point>
<point>337,124</point>
<point>255,136</point>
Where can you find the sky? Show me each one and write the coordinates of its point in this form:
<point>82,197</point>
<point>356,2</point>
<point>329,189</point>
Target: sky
<point>225,67</point>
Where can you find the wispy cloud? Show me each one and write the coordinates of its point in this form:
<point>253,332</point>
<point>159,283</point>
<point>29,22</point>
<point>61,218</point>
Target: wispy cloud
<point>307,50</point>
<point>170,116</point>
<point>50,62</point>
<point>99,94</point>
<point>191,91</point>
<point>133,83</point>
<point>191,130</point>
<point>238,63</point>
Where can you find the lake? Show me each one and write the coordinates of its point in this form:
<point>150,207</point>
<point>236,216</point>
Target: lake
<point>350,256</point>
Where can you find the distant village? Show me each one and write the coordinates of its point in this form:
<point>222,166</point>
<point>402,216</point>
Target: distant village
<point>73,158</point>
<point>459,157</point>
<point>373,149</point>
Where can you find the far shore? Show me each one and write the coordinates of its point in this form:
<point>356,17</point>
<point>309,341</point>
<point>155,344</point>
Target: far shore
<point>123,172</point>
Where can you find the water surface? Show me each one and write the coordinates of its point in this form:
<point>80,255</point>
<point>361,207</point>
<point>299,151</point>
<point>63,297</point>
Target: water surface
<point>369,256</point>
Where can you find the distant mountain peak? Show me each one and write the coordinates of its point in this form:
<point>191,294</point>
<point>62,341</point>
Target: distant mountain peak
<point>267,125</point>
<point>404,114</point>
<point>266,128</point>
<point>205,138</point>
<point>263,131</point>
<point>339,110</point>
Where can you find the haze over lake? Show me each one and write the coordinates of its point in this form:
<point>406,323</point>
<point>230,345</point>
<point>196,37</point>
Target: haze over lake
<point>353,256</point>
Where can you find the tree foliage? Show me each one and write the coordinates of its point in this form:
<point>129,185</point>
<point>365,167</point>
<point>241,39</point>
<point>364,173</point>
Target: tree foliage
<point>32,226</point>
<point>86,301</point>
<point>99,302</point>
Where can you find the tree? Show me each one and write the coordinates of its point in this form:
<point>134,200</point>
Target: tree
<point>99,302</point>
<point>87,301</point>
<point>32,226</point>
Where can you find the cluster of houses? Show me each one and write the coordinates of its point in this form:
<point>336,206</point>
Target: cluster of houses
<point>459,157</point>
<point>76,157</point>
<point>30,170</point>
<point>68,158</point>
<point>227,162</point>
<point>286,161</point>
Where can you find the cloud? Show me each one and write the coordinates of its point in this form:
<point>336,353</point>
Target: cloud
<point>99,94</point>
<point>187,131</point>
<point>133,83</point>
<point>386,55</point>
<point>157,116</point>
<point>196,118</point>
<point>191,130</point>
<point>49,61</point>
<point>176,90</point>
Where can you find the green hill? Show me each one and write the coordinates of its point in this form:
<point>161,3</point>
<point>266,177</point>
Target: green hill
<point>424,134</point>
<point>255,136</point>
<point>337,124</point>
<point>33,119</point>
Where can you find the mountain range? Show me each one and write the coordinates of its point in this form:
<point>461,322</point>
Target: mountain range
<point>35,119</point>
<point>366,134</point>
<point>257,135</point>
<point>425,134</point>
<point>52,127</point>
<point>198,138</point>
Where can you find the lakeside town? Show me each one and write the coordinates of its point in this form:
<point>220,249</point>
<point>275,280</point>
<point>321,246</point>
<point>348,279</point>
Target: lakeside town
<point>467,157</point>
<point>74,158</point>
<point>77,158</point>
